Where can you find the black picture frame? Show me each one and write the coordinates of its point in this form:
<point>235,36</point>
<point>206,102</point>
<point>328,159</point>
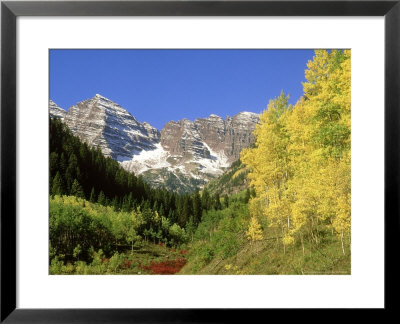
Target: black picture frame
<point>10,10</point>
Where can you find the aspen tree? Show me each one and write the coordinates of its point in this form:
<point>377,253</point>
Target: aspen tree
<point>254,232</point>
<point>300,166</point>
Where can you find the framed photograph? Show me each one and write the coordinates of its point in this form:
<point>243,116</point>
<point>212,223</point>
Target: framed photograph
<point>181,160</point>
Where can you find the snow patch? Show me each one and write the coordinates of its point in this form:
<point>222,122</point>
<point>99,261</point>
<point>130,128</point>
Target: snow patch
<point>56,111</point>
<point>247,116</point>
<point>216,164</point>
<point>214,116</point>
<point>146,160</point>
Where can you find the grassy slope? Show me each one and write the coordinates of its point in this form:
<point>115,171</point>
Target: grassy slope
<point>220,246</point>
<point>232,181</point>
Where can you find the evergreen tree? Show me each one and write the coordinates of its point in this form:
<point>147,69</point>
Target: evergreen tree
<point>226,201</point>
<point>161,210</point>
<point>62,163</point>
<point>205,199</point>
<point>247,196</point>
<point>71,173</point>
<point>197,209</point>
<point>108,201</point>
<point>155,206</point>
<point>190,228</point>
<point>172,216</point>
<point>125,206</point>
<point>186,210</point>
<point>54,165</point>
<point>217,202</point>
<point>76,190</point>
<point>102,198</point>
<point>57,187</point>
<point>115,203</point>
<point>92,196</point>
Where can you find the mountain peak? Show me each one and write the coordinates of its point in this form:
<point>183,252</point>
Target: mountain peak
<point>56,111</point>
<point>214,116</point>
<point>110,105</point>
<point>247,117</point>
<point>99,96</point>
<point>247,113</point>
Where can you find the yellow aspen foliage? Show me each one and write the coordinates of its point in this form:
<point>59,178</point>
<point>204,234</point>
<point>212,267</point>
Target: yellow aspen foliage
<point>330,140</point>
<point>254,233</point>
<point>156,217</point>
<point>300,166</point>
<point>269,165</point>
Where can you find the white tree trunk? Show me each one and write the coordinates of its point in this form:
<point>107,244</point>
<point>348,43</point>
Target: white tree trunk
<point>341,238</point>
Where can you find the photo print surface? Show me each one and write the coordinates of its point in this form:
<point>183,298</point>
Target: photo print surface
<point>216,162</point>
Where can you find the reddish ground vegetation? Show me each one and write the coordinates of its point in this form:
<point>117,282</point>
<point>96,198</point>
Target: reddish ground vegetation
<point>184,252</point>
<point>105,260</point>
<point>165,267</point>
<point>127,264</point>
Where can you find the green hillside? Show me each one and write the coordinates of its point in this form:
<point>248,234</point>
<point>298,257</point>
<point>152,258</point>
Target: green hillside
<point>231,181</point>
<point>220,245</point>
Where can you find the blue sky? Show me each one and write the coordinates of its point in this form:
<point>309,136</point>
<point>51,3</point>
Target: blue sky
<point>157,86</point>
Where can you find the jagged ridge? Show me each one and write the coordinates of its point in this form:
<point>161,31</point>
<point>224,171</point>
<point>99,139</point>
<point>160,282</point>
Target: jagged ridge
<point>184,155</point>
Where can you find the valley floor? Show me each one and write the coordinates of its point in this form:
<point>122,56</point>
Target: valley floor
<point>259,258</point>
<point>148,259</point>
<point>218,246</point>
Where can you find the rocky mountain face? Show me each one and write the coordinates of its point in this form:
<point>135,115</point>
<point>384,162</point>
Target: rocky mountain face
<point>184,155</point>
<point>103,123</point>
<point>229,136</point>
<point>55,111</point>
